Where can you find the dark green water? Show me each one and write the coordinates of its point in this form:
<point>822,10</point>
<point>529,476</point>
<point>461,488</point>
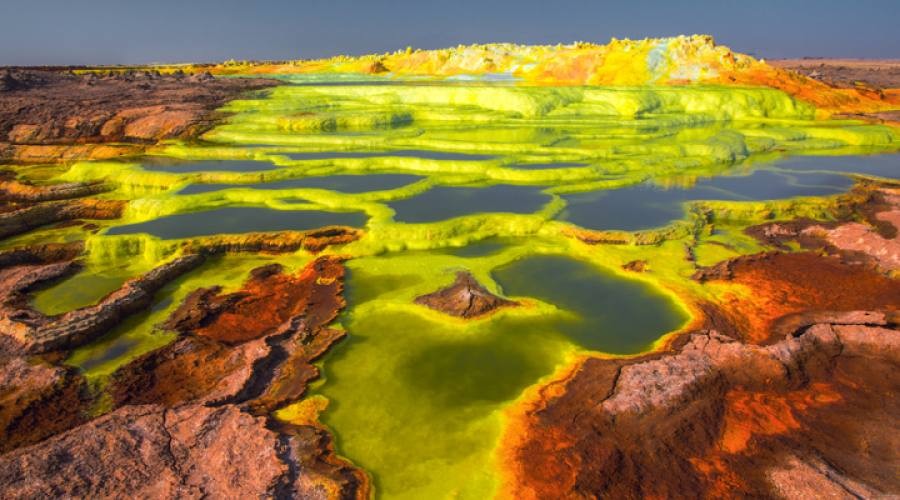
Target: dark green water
<point>179,167</point>
<point>234,220</point>
<point>401,153</point>
<point>442,203</point>
<point>881,165</point>
<point>646,206</point>
<point>340,183</point>
<point>612,315</point>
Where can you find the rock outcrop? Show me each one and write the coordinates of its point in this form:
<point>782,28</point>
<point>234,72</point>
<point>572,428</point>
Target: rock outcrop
<point>720,417</point>
<point>314,240</point>
<point>15,191</point>
<point>193,418</point>
<point>867,233</point>
<point>38,400</point>
<point>57,110</point>
<point>37,333</point>
<point>465,298</point>
<point>27,218</point>
<point>153,452</point>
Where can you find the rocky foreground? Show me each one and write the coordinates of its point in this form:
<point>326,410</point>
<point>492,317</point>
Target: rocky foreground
<point>191,419</point>
<point>53,115</point>
<point>788,391</point>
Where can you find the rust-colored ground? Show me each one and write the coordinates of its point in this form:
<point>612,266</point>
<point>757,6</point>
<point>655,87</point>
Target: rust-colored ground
<point>224,343</point>
<point>778,285</point>
<point>830,426</point>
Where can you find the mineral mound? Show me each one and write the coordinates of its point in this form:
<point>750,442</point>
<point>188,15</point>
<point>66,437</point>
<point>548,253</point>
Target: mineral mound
<point>464,298</point>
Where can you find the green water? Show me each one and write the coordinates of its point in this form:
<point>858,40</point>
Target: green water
<point>339,183</point>
<point>416,399</point>
<point>162,165</point>
<point>85,288</point>
<point>647,206</point>
<point>442,203</point>
<point>611,315</point>
<point>235,220</point>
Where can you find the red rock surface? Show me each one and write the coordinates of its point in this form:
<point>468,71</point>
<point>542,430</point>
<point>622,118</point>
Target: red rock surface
<point>778,285</point>
<point>718,418</point>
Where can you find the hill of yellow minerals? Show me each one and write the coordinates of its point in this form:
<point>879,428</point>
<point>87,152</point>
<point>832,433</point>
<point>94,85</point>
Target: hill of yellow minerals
<point>678,60</point>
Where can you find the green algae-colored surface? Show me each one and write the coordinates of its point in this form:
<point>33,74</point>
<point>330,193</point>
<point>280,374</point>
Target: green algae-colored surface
<point>497,178</point>
<point>421,397</point>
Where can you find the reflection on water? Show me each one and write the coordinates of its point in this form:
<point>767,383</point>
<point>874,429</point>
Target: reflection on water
<point>544,166</point>
<point>233,220</point>
<point>646,206</point>
<point>402,153</point>
<point>179,167</point>
<point>447,202</point>
<point>340,183</point>
<point>883,165</point>
<point>612,315</point>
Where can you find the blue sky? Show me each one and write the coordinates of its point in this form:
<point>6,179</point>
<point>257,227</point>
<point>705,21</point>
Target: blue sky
<point>34,32</point>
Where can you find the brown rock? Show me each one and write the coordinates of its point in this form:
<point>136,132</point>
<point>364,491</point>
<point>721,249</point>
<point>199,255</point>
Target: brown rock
<point>637,266</point>
<point>718,417</point>
<point>149,451</point>
<point>190,370</point>
<point>873,243</point>
<point>22,192</point>
<point>785,284</point>
<point>56,108</point>
<point>37,333</point>
<point>31,217</point>
<point>255,344</point>
<point>465,298</point>
<point>37,401</point>
<point>314,241</point>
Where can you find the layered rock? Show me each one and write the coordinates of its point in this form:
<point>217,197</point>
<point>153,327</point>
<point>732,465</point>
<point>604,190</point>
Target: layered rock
<point>782,285</point>
<point>59,109</point>
<point>38,400</point>
<point>21,220</point>
<point>15,191</point>
<point>150,451</point>
<point>314,240</point>
<point>35,332</point>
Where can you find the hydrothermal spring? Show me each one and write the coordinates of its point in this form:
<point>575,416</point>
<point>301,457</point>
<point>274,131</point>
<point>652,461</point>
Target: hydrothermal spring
<point>504,181</point>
